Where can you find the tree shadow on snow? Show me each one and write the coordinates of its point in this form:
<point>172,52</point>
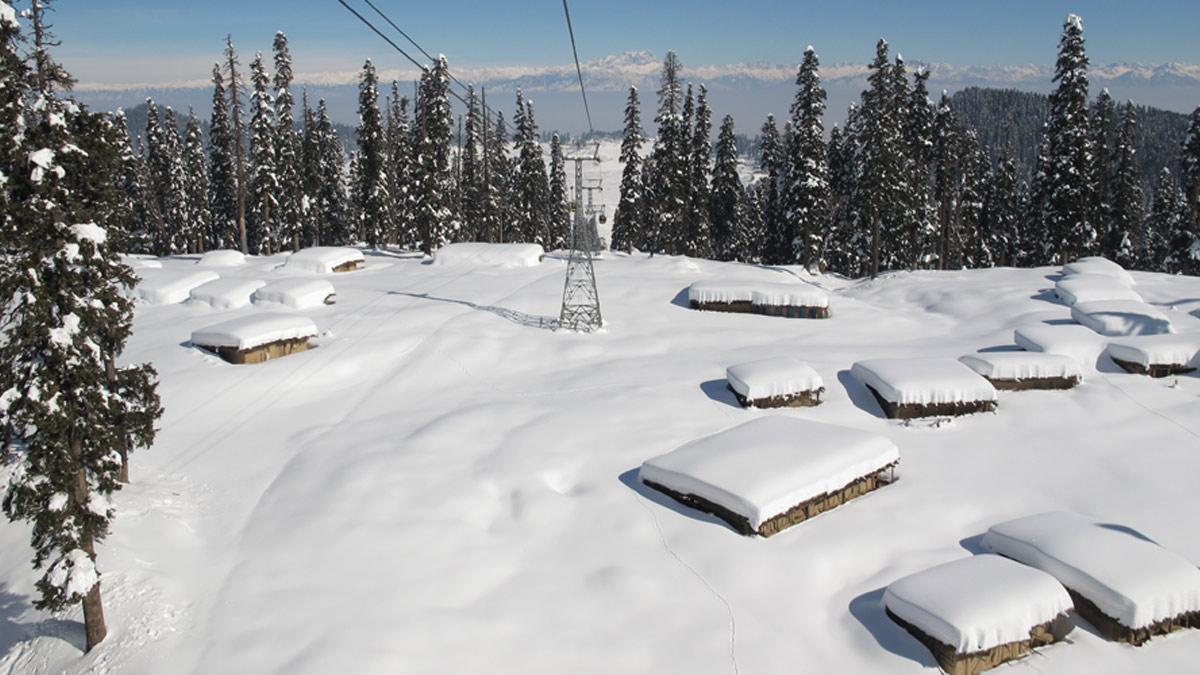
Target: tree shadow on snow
<point>511,315</point>
<point>13,633</point>
<point>1125,529</point>
<point>860,396</point>
<point>1000,348</point>
<point>1048,295</point>
<point>718,390</point>
<point>1059,322</point>
<point>868,610</point>
<point>630,480</point>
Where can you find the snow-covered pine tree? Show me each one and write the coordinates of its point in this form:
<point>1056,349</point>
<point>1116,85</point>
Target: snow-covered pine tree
<point>532,186</point>
<point>670,176</point>
<point>806,181</point>
<point>471,176</point>
<point>288,218</point>
<point>159,165</point>
<point>132,234</point>
<point>1168,218</point>
<point>1191,172</point>
<point>979,244</point>
<point>222,170</point>
<point>371,189</point>
<point>263,193</point>
<point>698,239</point>
<point>497,204</point>
<point>901,215</point>
<point>433,183</point>
<point>333,219</point>
<point>841,242</point>
<point>310,173</point>
<point>1001,214</point>
<point>628,217</point>
<point>1125,194</point>
<point>775,248</point>
<point>751,231</point>
<point>1103,130</point>
<point>559,216</point>
<point>1068,166</point>
<point>14,82</point>
<point>93,181</point>
<point>177,213</point>
<point>676,243</point>
<point>195,172</point>
<point>727,194</point>
<point>882,174</point>
<point>354,202</point>
<point>920,114</point>
<point>65,321</point>
<point>645,237</point>
<point>946,180</point>
<point>237,133</point>
<point>400,160</point>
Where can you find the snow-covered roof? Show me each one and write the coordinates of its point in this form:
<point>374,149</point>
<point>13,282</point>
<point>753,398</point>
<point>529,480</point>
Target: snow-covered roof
<point>1117,318</point>
<point>778,376</point>
<point>762,468</point>
<point>297,292</point>
<point>1022,365</point>
<point>225,293</point>
<point>1158,350</point>
<point>1076,288</point>
<point>1101,266</point>
<point>1128,577</point>
<point>489,255</point>
<point>321,259</point>
<point>1082,344</point>
<point>923,380</point>
<point>777,294</point>
<point>222,258</point>
<point>977,603</point>
<point>721,291</point>
<point>168,286</point>
<point>254,330</point>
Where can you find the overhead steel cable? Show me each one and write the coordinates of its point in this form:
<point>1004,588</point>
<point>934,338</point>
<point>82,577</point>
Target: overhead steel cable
<point>578,68</point>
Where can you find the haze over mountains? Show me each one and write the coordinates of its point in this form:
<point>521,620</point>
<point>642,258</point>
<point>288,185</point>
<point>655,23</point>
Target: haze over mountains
<point>748,91</point>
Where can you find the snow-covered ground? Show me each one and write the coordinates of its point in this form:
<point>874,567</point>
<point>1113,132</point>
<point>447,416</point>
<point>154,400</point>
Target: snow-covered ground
<point>444,486</point>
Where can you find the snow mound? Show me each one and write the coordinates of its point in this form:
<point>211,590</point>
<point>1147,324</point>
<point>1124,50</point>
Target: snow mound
<point>1089,287</point>
<point>169,286</point>
<point>1075,341</point>
<point>768,378</point>
<point>1128,577</point>
<point>222,258</point>
<point>489,255</point>
<point>1022,365</point>
<point>923,381</point>
<point>91,232</point>
<point>297,293</point>
<point>762,468</point>
<point>226,293</point>
<point>1158,350</point>
<point>759,293</point>
<point>977,603</point>
<point>322,259</point>
<point>254,330</point>
<point>1099,266</point>
<point>1116,318</point>
<point>138,262</point>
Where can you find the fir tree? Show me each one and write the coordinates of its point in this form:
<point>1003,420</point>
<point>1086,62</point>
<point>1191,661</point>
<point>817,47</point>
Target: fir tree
<point>310,173</point>
<point>670,175</point>
<point>132,233</point>
<point>332,210</point>
<point>1001,210</point>
<point>1068,165</point>
<point>727,195</point>
<point>1102,126</point>
<point>979,243</point>
<point>14,80</point>
<point>698,241</point>
<point>264,190</point>
<point>881,180</point>
<point>222,170</point>
<point>946,176</point>
<point>237,133</point>
<point>751,230</point>
<point>471,181</point>
<point>1164,249</point>
<point>371,187</point>
<point>920,115</point>
<point>532,188</point>
<point>177,213</point>
<point>559,217</point>
<point>287,150</point>
<point>628,217</point>
<point>806,193</point>
<point>158,179</point>
<point>775,248</point>
<point>196,187</point>
<point>497,204</point>
<point>1125,220</point>
<point>432,180</point>
<point>1191,170</point>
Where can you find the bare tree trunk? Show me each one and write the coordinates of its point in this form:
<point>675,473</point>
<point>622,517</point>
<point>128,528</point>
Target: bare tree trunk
<point>93,618</point>
<point>876,225</point>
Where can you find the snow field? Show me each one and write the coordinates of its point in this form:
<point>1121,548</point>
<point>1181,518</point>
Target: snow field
<point>297,293</point>
<point>1158,350</point>
<point>1074,341</point>
<point>977,603</point>
<point>1022,365</point>
<point>764,467</point>
<point>923,381</point>
<point>168,287</point>
<point>1116,318</point>
<point>1076,288</point>
<point>227,293</point>
<point>222,258</point>
<point>1127,576</point>
<point>489,255</point>
<point>322,259</point>
<point>254,330</point>
<point>767,378</point>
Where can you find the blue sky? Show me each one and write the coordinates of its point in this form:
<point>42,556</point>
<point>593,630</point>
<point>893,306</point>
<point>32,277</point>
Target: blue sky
<point>141,41</point>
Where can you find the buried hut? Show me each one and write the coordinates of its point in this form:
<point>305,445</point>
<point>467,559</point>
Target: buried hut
<point>791,300</point>
<point>925,387</point>
<point>775,383</point>
<point>256,338</point>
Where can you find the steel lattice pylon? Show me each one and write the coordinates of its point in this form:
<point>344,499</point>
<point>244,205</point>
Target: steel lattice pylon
<point>581,300</point>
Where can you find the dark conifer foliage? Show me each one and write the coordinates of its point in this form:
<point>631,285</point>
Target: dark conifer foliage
<point>627,220</point>
<point>370,187</point>
<point>558,217</point>
<point>264,190</point>
<point>806,193</point>
<point>724,205</point>
<point>222,169</point>
<point>289,214</point>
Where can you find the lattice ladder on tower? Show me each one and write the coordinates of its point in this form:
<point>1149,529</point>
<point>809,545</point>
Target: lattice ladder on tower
<point>581,300</point>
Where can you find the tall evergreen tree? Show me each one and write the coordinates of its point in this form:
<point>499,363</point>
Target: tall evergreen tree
<point>532,186</point>
<point>158,178</point>
<point>1164,246</point>
<point>979,244</point>
<point>806,192</point>
<point>698,239</point>
<point>724,205</point>
<point>472,187</point>
<point>195,186</point>
<point>264,189</point>
<point>1103,130</point>
<point>177,214</point>
<point>670,178</point>
<point>237,134</point>
<point>1001,210</point>
<point>497,203</point>
<point>946,177</point>
<point>559,217</point>
<point>1125,194</point>
<point>433,183</point>
<point>131,233</point>
<point>920,115</point>
<point>882,176</point>
<point>14,78</point>
<point>222,169</point>
<point>1068,165</point>
<point>310,173</point>
<point>371,188</point>
<point>628,218</point>
<point>1191,171</point>
<point>287,150</point>
<point>775,248</point>
<point>333,213</point>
